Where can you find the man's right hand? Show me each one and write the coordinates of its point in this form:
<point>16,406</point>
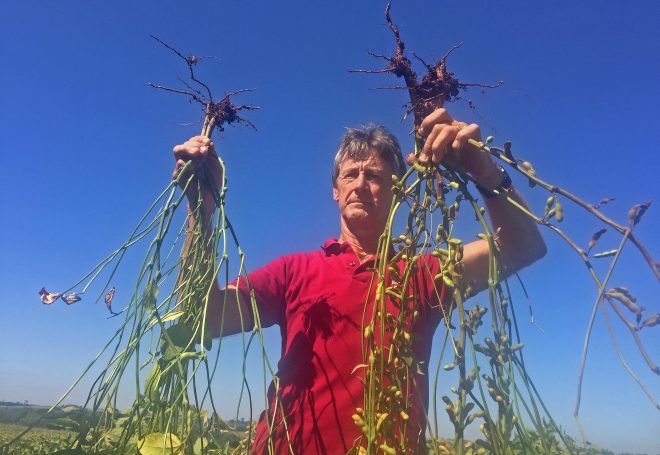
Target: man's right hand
<point>200,153</point>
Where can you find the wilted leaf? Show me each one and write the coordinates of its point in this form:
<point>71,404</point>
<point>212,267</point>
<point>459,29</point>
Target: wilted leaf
<point>71,297</point>
<point>47,298</point>
<point>108,299</point>
<point>160,444</point>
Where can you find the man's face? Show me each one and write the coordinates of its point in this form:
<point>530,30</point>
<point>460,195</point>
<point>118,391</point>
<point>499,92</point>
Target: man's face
<point>363,191</point>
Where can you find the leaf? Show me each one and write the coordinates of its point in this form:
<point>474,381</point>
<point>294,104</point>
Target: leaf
<point>47,297</point>
<point>113,436</point>
<point>160,444</point>
<point>170,316</point>
<point>71,297</point>
<point>150,295</point>
<point>176,339</point>
<point>108,299</point>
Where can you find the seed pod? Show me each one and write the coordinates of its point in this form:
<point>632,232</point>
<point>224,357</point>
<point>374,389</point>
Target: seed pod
<point>559,212</point>
<point>548,203</point>
<point>381,419</point>
<point>621,295</point>
<point>507,150</point>
<point>357,419</point>
<point>651,321</point>
<point>379,291</point>
<point>636,211</point>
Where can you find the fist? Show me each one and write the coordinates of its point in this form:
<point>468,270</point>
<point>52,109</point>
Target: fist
<point>197,167</point>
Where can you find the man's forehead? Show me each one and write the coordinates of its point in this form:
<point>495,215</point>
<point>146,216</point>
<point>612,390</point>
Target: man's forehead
<point>371,160</point>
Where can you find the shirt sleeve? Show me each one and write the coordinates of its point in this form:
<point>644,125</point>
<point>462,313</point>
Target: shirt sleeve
<point>268,284</point>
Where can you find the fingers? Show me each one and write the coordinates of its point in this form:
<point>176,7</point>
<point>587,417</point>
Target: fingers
<point>194,148</point>
<point>471,131</point>
<point>192,153</point>
<point>434,118</point>
<point>438,141</point>
<point>445,136</point>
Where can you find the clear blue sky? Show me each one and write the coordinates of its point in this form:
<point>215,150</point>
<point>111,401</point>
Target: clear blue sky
<point>86,146</point>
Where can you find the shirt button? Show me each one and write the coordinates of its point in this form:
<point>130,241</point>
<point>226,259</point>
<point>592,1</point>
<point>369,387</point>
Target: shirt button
<point>352,264</point>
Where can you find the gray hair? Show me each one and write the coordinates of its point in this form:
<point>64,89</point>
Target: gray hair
<point>357,143</point>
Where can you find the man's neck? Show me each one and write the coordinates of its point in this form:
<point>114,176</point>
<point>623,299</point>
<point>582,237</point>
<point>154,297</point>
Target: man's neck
<point>364,243</point>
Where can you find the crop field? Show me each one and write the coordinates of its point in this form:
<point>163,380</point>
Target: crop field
<point>39,441</point>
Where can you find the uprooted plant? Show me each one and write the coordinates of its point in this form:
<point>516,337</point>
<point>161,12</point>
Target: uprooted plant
<point>494,388</point>
<point>166,337</point>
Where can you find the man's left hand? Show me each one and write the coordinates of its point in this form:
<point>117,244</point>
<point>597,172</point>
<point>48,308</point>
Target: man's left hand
<point>446,142</point>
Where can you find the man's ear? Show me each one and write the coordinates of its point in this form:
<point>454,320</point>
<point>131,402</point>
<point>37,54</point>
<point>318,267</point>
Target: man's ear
<point>335,193</point>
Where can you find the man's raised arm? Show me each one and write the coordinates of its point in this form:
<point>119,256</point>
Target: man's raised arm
<point>227,312</point>
<point>518,237</point>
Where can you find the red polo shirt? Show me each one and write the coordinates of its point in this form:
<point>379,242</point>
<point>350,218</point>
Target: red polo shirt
<point>318,300</point>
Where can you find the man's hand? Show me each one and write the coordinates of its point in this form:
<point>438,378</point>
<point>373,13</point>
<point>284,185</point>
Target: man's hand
<point>200,153</point>
<point>520,242</point>
<point>446,142</point>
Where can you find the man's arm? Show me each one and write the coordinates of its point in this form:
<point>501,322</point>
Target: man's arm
<point>226,307</point>
<point>518,237</point>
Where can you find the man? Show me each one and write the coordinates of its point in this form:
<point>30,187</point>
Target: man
<point>318,298</point>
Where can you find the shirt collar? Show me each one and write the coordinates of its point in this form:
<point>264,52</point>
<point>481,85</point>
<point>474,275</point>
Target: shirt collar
<point>333,246</point>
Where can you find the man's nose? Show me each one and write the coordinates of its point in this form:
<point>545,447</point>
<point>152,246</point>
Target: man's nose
<point>361,181</point>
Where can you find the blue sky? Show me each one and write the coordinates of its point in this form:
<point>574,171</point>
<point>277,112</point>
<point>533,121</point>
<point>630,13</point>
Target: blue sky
<point>87,146</point>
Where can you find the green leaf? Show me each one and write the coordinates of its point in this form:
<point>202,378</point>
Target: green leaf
<point>160,444</point>
<point>180,336</point>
